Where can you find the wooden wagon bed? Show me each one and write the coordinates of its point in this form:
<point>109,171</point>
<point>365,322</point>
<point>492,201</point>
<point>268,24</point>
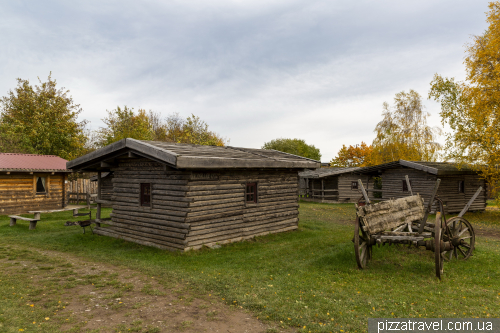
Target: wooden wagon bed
<point>404,221</point>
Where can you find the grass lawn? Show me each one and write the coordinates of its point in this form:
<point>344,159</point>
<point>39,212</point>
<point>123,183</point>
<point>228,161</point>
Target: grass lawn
<point>306,279</point>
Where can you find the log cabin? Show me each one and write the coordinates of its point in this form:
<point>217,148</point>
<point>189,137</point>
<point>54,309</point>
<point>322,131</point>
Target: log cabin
<point>31,182</point>
<point>457,186</point>
<point>182,197</point>
<point>338,185</point>
<point>332,185</point>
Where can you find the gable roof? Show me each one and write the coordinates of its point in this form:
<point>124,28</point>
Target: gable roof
<point>326,172</point>
<point>187,156</point>
<point>433,168</point>
<point>30,163</point>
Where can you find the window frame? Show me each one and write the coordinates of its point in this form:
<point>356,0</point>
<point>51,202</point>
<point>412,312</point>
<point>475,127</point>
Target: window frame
<point>354,185</point>
<point>461,186</point>
<point>143,203</point>
<point>405,186</point>
<point>255,193</point>
<point>47,185</point>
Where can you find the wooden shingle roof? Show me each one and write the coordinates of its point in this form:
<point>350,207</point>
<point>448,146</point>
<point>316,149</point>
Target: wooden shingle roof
<point>326,172</point>
<point>187,156</point>
<point>434,168</point>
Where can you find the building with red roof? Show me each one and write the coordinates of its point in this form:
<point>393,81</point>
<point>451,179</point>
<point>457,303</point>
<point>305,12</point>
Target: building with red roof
<point>31,182</point>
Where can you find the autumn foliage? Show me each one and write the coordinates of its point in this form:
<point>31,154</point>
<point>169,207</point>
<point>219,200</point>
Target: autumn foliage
<point>354,156</point>
<point>472,108</point>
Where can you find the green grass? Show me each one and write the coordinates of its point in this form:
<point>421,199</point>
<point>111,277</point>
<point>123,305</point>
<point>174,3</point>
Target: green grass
<point>491,203</point>
<point>307,278</point>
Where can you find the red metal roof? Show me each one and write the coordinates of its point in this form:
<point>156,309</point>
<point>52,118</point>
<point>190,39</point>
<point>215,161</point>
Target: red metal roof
<point>30,162</point>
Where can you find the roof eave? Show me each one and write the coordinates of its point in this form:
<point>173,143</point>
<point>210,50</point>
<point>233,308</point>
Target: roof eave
<point>36,170</point>
<point>88,161</point>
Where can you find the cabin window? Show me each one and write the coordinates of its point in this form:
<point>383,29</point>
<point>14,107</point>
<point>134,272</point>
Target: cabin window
<point>461,186</point>
<point>354,185</point>
<point>405,185</point>
<point>146,195</point>
<point>40,185</point>
<point>251,192</point>
<point>377,185</point>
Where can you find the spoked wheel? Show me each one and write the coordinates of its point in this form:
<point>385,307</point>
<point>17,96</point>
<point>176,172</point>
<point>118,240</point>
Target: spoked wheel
<point>461,235</point>
<point>362,247</point>
<point>438,259</point>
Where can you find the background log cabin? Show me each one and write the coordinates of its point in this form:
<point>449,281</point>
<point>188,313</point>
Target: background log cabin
<point>181,197</point>
<point>338,185</point>
<point>333,185</point>
<point>31,182</point>
<point>457,186</point>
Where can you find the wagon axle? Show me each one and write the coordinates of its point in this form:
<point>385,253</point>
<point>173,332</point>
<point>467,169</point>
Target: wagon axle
<point>443,246</point>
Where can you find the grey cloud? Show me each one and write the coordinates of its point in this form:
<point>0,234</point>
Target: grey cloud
<point>254,70</point>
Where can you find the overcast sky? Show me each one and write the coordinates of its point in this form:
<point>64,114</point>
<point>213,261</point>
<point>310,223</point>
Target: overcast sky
<point>253,70</point>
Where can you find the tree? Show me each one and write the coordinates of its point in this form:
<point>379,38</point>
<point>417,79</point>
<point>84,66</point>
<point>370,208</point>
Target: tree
<point>193,130</point>
<point>125,123</point>
<point>41,120</point>
<point>403,132</point>
<point>11,143</point>
<point>354,156</point>
<point>472,108</point>
<point>295,147</point>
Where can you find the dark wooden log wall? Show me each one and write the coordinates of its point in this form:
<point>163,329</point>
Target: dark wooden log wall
<point>107,187</point>
<point>454,201</point>
<point>163,224</point>
<point>17,193</point>
<point>219,213</point>
<point>190,209</point>
<point>423,183</point>
<point>346,194</point>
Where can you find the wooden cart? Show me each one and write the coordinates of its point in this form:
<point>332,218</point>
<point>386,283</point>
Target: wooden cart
<point>404,221</point>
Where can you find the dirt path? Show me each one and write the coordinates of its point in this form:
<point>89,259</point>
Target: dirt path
<point>487,232</point>
<point>101,297</point>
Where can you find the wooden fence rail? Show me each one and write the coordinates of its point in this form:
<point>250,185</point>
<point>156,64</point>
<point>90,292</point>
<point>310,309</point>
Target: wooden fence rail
<point>79,190</point>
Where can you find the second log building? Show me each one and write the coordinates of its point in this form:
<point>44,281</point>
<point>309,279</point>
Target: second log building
<point>181,197</point>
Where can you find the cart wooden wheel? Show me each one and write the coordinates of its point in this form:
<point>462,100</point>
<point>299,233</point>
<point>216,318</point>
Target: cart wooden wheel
<point>362,247</point>
<point>461,235</point>
<point>438,259</point>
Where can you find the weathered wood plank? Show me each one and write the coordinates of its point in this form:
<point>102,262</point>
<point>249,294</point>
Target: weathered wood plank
<point>150,223</point>
<point>128,238</point>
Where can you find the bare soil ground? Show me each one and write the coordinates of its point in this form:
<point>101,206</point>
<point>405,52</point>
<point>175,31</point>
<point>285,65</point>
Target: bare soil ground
<point>105,298</point>
<point>488,232</point>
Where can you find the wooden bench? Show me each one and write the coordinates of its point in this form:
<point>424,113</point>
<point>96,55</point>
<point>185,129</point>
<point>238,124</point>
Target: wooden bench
<point>14,218</point>
<point>37,213</point>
